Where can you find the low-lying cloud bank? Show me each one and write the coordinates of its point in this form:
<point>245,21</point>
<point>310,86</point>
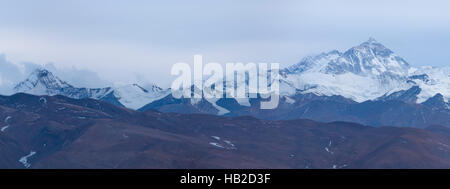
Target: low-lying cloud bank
<point>13,73</point>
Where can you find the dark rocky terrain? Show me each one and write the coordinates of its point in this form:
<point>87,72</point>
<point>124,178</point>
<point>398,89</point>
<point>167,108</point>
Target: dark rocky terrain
<point>59,132</point>
<point>383,112</point>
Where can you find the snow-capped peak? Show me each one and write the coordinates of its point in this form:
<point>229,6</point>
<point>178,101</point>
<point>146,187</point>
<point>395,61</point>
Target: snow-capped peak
<point>368,58</point>
<point>364,72</point>
<point>41,82</point>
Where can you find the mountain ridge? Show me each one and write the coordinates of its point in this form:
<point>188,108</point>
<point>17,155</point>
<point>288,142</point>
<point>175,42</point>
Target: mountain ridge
<point>366,74</point>
<point>396,93</point>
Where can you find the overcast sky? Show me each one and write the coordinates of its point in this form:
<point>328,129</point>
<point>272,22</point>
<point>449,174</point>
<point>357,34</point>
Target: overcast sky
<point>130,40</point>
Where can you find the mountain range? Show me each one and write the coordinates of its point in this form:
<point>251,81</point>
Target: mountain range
<point>367,84</point>
<point>362,108</point>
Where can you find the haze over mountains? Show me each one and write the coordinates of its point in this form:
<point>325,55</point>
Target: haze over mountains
<point>367,84</point>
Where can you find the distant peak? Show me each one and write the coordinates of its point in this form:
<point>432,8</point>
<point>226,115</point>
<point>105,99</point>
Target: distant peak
<point>372,40</point>
<point>43,78</point>
<point>332,52</point>
<point>372,45</point>
<point>41,72</point>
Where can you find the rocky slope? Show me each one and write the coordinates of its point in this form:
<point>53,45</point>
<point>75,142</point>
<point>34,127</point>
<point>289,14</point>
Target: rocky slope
<point>60,132</point>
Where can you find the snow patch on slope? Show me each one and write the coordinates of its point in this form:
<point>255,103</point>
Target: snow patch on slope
<point>6,124</point>
<point>134,96</point>
<point>349,85</point>
<point>437,80</point>
<point>24,159</point>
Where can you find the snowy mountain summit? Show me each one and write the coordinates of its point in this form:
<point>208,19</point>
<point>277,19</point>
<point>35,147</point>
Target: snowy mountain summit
<point>43,82</point>
<point>369,58</point>
<point>41,79</point>
<point>364,72</point>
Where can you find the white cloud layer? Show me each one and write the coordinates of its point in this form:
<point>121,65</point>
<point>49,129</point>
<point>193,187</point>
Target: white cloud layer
<point>13,73</point>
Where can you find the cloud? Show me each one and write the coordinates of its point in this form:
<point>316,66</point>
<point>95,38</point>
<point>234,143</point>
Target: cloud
<point>10,74</point>
<point>13,73</point>
<point>78,77</point>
